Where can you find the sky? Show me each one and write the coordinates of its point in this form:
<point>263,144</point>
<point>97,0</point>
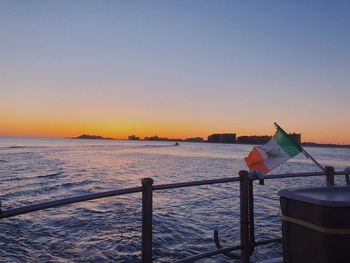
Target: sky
<point>175,68</point>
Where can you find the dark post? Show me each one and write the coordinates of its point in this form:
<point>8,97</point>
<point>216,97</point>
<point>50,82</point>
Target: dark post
<point>329,175</point>
<point>347,173</point>
<point>244,215</point>
<point>251,216</point>
<point>147,196</point>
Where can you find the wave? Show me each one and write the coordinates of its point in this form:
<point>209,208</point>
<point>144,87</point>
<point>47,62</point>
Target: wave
<point>130,147</point>
<point>49,175</point>
<point>21,147</point>
<point>158,146</point>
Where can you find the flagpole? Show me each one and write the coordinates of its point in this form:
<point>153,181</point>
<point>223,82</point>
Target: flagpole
<point>299,147</point>
<point>312,158</point>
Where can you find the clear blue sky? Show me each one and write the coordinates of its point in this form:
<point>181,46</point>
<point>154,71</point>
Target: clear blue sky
<point>175,68</point>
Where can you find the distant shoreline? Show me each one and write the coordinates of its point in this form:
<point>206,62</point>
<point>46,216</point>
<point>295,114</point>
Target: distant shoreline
<point>325,145</point>
<point>306,144</point>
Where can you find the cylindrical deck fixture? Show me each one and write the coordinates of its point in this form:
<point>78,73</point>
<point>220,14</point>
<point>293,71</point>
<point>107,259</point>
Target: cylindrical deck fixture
<point>244,215</point>
<point>316,224</point>
<point>147,200</point>
<point>329,175</point>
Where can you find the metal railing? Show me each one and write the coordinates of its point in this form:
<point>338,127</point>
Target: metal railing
<point>247,233</point>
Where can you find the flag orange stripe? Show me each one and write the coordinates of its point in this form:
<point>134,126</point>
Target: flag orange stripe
<point>255,161</point>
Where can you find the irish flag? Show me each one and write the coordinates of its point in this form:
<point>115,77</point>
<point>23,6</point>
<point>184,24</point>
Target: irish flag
<point>278,150</point>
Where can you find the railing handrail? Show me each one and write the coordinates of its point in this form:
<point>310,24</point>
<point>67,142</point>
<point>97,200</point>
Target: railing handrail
<point>88,197</point>
<point>65,201</point>
<point>195,183</point>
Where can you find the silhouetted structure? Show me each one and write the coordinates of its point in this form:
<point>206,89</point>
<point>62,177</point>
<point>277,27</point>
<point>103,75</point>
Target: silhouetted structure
<point>253,139</point>
<point>222,138</point>
<point>156,138</point>
<point>93,137</point>
<point>195,139</point>
<point>296,137</point>
<point>133,138</point>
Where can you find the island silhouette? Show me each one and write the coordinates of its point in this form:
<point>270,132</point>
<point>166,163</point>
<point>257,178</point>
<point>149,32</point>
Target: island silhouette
<point>93,137</point>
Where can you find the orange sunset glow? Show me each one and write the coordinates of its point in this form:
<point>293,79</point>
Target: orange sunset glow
<point>110,75</point>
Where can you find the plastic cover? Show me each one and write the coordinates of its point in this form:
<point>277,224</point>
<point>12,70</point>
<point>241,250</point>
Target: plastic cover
<point>323,196</point>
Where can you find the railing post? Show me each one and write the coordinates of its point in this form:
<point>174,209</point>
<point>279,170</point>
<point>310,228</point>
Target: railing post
<point>329,175</point>
<point>244,215</point>
<point>347,173</point>
<point>251,216</point>
<point>147,196</point>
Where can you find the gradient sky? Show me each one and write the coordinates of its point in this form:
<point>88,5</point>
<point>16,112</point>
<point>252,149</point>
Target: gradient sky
<point>175,68</point>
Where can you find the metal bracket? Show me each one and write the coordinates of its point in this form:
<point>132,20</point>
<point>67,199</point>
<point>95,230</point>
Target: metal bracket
<point>256,174</point>
<point>218,245</point>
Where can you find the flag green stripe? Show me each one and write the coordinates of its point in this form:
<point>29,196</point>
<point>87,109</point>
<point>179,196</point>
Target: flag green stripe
<point>287,145</point>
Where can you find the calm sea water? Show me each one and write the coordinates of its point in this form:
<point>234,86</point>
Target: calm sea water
<point>108,230</point>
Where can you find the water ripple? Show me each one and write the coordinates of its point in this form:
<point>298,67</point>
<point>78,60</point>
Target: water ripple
<point>109,230</point>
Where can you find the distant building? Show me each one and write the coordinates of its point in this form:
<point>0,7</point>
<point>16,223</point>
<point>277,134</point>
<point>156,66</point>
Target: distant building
<point>154,138</point>
<point>253,139</point>
<point>296,137</point>
<point>222,138</point>
<point>133,138</point>
<point>195,139</point>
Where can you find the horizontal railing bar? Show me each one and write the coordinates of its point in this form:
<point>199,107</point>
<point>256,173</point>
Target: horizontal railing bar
<point>341,173</point>
<point>195,183</point>
<point>209,254</point>
<point>291,175</point>
<point>225,250</point>
<point>268,241</point>
<point>70,200</point>
<point>36,207</point>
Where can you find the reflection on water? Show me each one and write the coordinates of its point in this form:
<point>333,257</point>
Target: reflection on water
<point>108,230</point>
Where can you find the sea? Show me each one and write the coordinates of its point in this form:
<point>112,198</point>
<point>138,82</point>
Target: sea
<point>109,229</point>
